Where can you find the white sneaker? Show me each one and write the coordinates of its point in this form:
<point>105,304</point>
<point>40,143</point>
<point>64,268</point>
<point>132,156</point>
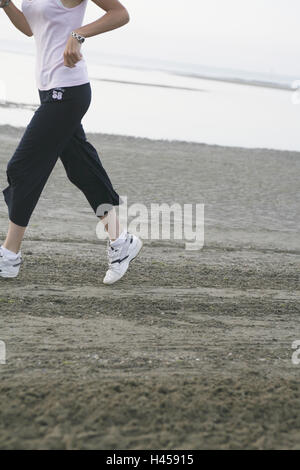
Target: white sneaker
<point>9,268</point>
<point>119,258</point>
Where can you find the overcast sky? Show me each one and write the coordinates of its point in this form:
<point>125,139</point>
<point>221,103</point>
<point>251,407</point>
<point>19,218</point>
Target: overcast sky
<point>258,35</point>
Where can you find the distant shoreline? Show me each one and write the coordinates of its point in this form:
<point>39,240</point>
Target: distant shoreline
<point>214,74</point>
<point>240,81</point>
<point>256,83</point>
<point>237,81</point>
<point>15,105</point>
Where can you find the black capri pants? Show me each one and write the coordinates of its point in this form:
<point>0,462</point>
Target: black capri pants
<point>55,131</point>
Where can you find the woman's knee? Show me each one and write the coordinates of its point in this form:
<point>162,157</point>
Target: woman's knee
<point>12,169</point>
<point>15,171</point>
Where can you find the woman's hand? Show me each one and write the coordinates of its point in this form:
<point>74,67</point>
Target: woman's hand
<point>72,53</point>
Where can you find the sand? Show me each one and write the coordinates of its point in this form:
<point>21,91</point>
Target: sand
<point>191,350</point>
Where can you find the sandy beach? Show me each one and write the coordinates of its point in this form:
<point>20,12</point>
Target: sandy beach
<point>191,350</point>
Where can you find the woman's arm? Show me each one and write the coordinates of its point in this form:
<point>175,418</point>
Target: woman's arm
<point>17,18</point>
<point>116,16</point>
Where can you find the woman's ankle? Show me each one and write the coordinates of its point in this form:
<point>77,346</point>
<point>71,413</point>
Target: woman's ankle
<point>9,252</point>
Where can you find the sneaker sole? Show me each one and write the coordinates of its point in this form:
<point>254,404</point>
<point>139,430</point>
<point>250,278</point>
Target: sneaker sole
<point>140,243</point>
<point>8,275</point>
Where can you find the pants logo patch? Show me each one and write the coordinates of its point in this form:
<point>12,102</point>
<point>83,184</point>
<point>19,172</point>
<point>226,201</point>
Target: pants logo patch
<point>57,94</point>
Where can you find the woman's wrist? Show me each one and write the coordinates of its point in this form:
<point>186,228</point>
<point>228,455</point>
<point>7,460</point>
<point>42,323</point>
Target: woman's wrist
<point>4,3</point>
<point>78,37</point>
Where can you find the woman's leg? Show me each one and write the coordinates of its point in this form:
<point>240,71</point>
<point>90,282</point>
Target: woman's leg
<point>50,129</point>
<point>112,225</point>
<point>14,237</point>
<point>84,169</point>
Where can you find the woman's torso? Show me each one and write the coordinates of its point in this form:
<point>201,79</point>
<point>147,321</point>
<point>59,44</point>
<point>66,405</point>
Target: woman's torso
<point>51,23</point>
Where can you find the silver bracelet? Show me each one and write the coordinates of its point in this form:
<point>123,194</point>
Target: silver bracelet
<point>77,36</point>
<point>5,4</point>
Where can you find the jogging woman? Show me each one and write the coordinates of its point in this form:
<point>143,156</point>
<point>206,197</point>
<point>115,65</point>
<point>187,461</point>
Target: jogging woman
<point>55,130</point>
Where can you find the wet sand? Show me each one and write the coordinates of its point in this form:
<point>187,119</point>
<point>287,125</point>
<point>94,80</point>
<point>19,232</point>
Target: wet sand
<point>191,350</point>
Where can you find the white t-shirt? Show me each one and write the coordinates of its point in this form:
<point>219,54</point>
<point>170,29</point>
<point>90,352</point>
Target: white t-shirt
<point>51,23</point>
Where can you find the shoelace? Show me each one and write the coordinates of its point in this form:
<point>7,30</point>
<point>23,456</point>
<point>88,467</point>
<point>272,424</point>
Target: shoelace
<point>113,254</point>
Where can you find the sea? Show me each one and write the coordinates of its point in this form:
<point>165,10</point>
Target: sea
<point>161,99</point>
